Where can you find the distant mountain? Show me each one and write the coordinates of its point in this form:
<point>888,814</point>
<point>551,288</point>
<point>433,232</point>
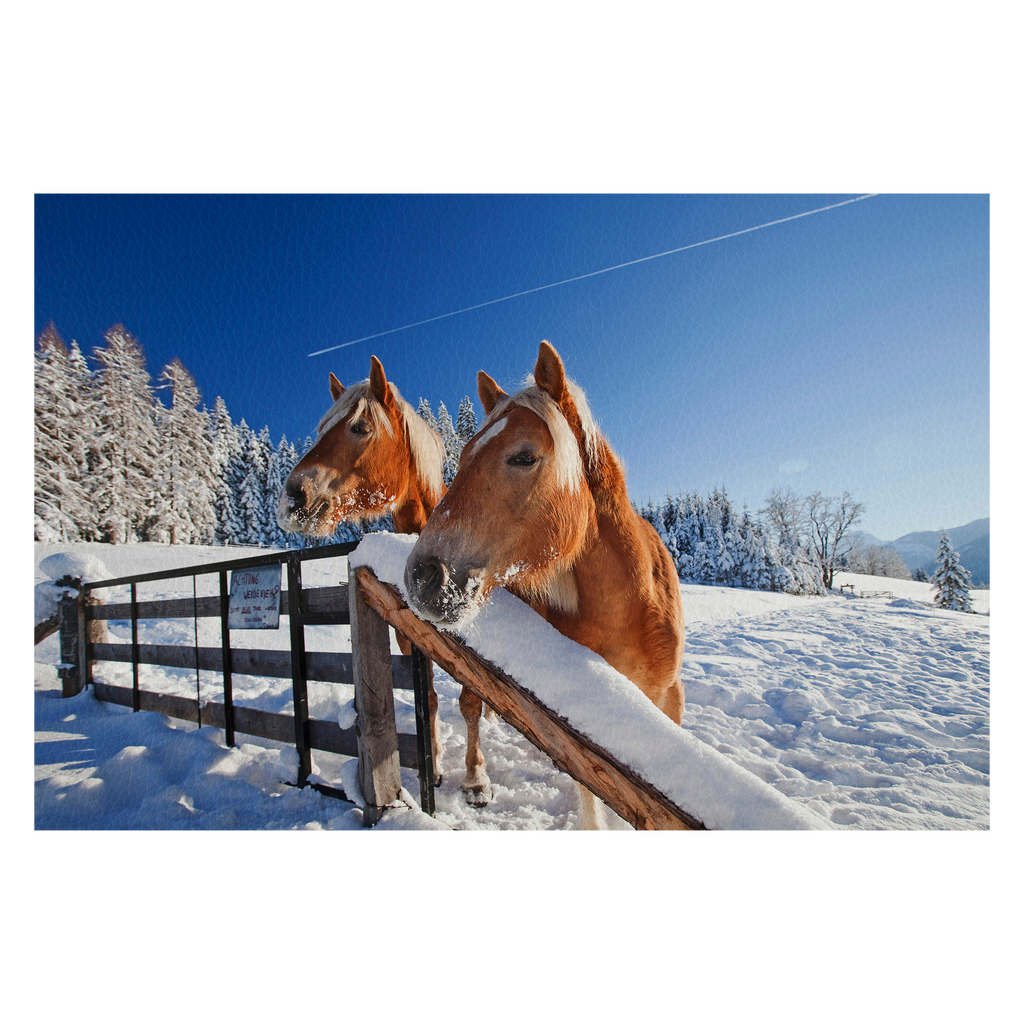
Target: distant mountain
<point>974,556</point>
<point>919,549</point>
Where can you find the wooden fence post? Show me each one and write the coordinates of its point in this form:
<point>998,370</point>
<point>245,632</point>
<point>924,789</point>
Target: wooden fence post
<point>72,651</point>
<point>376,734</point>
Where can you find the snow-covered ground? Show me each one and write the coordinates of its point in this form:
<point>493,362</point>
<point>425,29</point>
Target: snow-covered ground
<point>870,713</point>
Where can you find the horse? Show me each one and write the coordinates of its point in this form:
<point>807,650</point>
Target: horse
<point>373,455</point>
<point>539,506</point>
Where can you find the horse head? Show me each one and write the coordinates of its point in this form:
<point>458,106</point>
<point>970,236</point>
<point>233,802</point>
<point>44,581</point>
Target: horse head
<point>519,510</point>
<point>372,455</point>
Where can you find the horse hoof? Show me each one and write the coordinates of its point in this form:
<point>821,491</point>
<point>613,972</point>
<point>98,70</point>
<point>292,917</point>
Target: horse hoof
<point>477,796</point>
<point>438,779</point>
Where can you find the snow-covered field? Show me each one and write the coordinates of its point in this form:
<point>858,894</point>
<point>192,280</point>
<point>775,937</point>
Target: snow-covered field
<point>870,713</point>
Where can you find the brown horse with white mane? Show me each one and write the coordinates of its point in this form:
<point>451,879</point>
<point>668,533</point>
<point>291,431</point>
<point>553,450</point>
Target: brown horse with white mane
<point>539,506</point>
<point>373,455</point>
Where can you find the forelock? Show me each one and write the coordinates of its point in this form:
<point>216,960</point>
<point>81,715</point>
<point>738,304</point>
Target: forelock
<point>360,400</point>
<point>569,461</point>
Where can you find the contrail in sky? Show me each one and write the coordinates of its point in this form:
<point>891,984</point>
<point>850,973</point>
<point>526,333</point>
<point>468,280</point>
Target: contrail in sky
<point>594,273</point>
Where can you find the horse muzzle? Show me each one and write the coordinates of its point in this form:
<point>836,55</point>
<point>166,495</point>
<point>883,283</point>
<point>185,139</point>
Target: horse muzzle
<point>297,512</point>
<point>439,592</point>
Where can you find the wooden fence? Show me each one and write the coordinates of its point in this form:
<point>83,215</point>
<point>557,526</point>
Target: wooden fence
<point>80,614</point>
<point>369,606</point>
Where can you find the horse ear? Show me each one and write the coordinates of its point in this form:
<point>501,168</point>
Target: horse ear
<point>549,373</point>
<point>379,383</point>
<point>489,392</point>
<point>336,388</point>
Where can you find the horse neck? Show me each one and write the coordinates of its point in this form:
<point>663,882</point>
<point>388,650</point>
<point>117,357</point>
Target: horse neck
<point>614,530</point>
<point>608,540</point>
<point>413,509</point>
<point>417,500</point>
<point>607,484</point>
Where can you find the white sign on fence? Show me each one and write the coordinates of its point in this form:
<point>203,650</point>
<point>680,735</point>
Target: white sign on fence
<point>255,598</point>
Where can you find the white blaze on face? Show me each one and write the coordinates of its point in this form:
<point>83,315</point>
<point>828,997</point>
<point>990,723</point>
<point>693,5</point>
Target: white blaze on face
<point>493,431</point>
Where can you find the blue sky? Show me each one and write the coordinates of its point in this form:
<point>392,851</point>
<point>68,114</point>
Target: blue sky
<point>848,350</point>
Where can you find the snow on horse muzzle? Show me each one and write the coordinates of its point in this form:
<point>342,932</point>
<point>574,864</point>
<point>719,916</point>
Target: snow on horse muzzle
<point>439,591</point>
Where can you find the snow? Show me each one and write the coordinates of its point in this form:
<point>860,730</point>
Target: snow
<point>848,713</point>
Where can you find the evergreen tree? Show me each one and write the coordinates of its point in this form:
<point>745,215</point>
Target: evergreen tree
<point>452,445</point>
<point>127,444</point>
<point>226,456</point>
<point>281,462</point>
<point>87,418</point>
<point>920,576</point>
<point>952,582</point>
<point>709,543</point>
<point>465,423</point>
<point>61,496</point>
<point>426,414</point>
<point>252,498</point>
<point>187,484</point>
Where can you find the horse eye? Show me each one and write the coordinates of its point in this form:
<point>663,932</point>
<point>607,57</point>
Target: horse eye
<point>360,428</point>
<point>523,459</point>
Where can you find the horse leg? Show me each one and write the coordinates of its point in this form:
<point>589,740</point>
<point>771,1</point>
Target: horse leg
<point>405,646</point>
<point>477,786</point>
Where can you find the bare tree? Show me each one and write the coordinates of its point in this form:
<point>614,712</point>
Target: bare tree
<point>784,513</point>
<point>890,563</point>
<point>879,560</point>
<point>828,525</point>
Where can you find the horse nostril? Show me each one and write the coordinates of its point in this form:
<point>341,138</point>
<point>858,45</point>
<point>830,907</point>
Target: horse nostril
<point>296,498</point>
<point>428,577</point>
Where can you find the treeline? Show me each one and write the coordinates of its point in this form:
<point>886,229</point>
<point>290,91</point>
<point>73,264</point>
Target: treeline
<point>114,464</point>
<point>710,542</point>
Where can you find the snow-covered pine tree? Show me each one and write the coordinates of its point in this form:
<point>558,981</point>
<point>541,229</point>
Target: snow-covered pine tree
<point>62,510</point>
<point>187,490</point>
<point>252,499</point>
<point>452,446</point>
<point>952,582</point>
<point>426,414</point>
<point>728,556</point>
<point>748,543</point>
<point>655,515</point>
<point>709,543</point>
<point>281,462</point>
<point>128,448</point>
<point>226,455</point>
<point>465,423</point>
<point>87,418</point>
